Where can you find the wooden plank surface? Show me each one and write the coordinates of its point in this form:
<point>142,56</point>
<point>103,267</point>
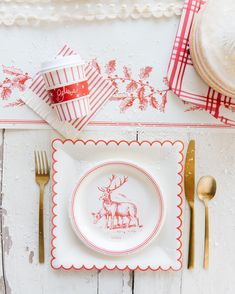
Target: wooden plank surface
<point>215,155</point>
<point>21,271</point>
<point>21,196</point>
<point>3,281</point>
<point>20,201</point>
<point>159,282</point>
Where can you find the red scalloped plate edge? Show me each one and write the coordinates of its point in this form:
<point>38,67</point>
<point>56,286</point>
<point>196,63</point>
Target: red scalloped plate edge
<point>179,206</point>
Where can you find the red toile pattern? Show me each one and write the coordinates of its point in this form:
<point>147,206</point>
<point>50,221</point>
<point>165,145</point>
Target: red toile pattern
<point>132,91</point>
<point>16,103</point>
<point>116,214</point>
<point>15,79</point>
<point>193,107</point>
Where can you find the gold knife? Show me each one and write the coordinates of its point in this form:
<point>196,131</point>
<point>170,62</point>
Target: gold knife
<point>189,188</point>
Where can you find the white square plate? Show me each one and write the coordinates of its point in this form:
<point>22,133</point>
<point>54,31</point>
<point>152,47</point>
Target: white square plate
<point>163,160</point>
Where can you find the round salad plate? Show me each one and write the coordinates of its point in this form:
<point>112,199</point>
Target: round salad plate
<point>117,208</point>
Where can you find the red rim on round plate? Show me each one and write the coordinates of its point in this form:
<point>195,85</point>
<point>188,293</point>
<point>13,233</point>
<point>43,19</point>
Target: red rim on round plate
<point>117,208</point>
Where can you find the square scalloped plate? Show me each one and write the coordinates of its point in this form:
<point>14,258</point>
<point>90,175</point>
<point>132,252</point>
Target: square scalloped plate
<point>163,160</point>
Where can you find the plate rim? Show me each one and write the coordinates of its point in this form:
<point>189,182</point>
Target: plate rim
<point>95,142</point>
<point>157,228</point>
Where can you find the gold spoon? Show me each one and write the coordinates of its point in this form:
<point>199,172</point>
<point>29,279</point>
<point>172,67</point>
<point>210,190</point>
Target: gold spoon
<point>206,189</point>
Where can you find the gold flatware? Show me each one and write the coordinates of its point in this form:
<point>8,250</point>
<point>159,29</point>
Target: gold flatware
<point>42,176</point>
<point>189,188</point>
<point>206,189</point>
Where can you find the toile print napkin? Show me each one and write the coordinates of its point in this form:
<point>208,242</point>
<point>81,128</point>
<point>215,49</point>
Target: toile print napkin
<point>38,99</point>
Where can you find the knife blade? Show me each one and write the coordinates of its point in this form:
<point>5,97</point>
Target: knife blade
<point>189,188</point>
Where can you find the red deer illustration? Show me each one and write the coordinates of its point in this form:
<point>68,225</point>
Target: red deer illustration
<point>97,216</point>
<point>118,211</point>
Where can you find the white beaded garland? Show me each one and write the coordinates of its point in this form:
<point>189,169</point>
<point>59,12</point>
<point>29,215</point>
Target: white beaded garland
<point>34,12</point>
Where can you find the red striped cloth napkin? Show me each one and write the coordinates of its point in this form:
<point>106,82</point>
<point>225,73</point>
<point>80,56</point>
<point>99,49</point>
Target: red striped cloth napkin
<point>38,99</point>
<point>184,80</point>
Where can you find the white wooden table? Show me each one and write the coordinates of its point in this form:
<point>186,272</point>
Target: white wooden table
<point>20,272</point>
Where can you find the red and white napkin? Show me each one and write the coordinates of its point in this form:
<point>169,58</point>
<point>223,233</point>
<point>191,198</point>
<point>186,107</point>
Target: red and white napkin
<point>183,78</point>
<point>39,100</point>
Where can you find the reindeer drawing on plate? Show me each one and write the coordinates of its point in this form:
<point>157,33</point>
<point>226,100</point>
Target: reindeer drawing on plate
<point>117,214</point>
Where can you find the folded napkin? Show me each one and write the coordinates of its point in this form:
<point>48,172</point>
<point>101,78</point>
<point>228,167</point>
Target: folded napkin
<point>37,98</point>
<point>183,78</point>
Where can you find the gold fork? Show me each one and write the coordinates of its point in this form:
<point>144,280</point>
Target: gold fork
<point>42,176</point>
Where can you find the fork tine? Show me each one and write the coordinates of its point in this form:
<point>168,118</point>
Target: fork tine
<point>43,163</point>
<point>36,162</point>
<point>46,161</point>
<point>39,163</point>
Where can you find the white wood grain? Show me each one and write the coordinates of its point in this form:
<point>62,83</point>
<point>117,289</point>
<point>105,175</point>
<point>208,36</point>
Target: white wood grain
<point>215,156</point>
<point>159,282</point>
<point>24,274</point>
<point>115,282</point>
<point>2,277</point>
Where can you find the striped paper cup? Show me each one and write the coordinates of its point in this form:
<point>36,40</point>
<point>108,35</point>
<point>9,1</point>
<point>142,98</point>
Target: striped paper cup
<point>67,85</point>
<point>73,109</point>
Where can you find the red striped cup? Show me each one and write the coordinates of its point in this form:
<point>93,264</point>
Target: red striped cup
<point>67,85</point>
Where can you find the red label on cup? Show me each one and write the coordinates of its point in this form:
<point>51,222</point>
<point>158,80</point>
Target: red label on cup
<point>69,92</point>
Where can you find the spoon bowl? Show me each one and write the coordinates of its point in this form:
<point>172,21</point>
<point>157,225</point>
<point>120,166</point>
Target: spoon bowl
<point>206,190</point>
